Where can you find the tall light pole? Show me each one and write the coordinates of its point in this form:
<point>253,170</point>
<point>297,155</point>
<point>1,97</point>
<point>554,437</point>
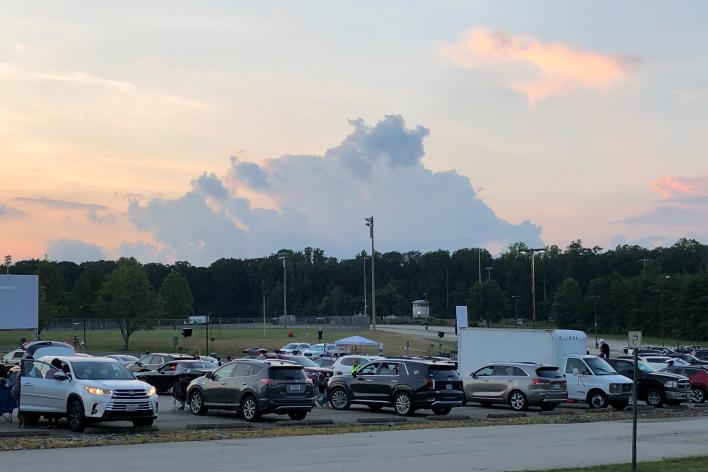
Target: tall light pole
<point>364,258</point>
<point>284,258</point>
<point>594,302</point>
<point>489,272</point>
<point>533,283</point>
<point>370,224</point>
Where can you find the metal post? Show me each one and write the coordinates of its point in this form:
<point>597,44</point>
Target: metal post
<point>364,257</point>
<point>264,316</point>
<point>370,224</point>
<point>285,292</point>
<point>489,272</point>
<point>594,301</point>
<point>661,295</point>
<point>634,411</point>
<point>533,289</point>
<point>479,265</point>
<point>207,336</point>
<point>84,332</point>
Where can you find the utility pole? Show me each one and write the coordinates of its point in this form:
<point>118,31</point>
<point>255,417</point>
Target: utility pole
<point>370,224</point>
<point>489,272</point>
<point>479,265</point>
<point>264,316</point>
<point>284,257</point>
<point>8,263</point>
<point>594,302</point>
<point>533,283</point>
<point>516,308</point>
<point>365,257</point>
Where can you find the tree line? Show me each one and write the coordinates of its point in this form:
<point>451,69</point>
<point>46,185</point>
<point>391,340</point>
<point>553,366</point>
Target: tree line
<point>630,287</point>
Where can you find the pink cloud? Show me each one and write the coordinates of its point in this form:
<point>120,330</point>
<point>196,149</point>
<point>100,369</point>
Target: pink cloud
<point>560,69</point>
<point>671,187</point>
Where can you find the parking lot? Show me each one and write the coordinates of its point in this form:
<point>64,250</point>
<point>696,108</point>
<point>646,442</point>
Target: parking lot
<point>171,419</point>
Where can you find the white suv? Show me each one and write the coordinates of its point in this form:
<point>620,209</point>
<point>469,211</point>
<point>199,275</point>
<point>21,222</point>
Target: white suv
<point>85,390</point>
<point>343,365</point>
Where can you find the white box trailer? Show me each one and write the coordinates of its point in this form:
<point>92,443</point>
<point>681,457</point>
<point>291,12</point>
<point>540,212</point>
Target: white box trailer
<point>589,378</point>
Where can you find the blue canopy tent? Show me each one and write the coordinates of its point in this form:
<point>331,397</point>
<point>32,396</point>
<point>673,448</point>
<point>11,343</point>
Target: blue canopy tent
<point>354,342</point>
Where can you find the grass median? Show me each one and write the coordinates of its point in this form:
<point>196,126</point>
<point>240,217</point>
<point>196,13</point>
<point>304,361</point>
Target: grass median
<point>690,464</point>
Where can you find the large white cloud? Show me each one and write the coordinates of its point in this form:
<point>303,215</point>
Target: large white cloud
<point>321,201</point>
<point>75,251</point>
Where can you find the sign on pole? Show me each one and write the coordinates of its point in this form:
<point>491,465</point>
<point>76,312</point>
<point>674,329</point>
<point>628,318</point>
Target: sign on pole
<point>461,317</point>
<point>634,339</point>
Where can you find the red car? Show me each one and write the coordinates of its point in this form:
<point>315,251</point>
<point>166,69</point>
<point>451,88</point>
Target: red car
<point>699,380</point>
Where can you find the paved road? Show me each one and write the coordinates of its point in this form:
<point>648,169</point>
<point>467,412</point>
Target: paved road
<point>496,448</point>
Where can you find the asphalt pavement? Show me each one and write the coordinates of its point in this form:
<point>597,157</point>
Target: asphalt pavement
<point>494,448</point>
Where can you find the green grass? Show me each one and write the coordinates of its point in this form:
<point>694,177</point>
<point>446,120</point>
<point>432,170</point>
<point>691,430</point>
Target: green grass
<point>227,341</point>
<point>691,464</point>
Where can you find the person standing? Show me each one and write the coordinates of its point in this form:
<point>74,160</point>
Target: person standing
<point>16,392</point>
<point>604,349</point>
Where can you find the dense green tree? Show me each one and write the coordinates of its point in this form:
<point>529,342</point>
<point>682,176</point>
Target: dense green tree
<point>567,304</point>
<point>486,301</point>
<point>175,296</point>
<point>128,297</point>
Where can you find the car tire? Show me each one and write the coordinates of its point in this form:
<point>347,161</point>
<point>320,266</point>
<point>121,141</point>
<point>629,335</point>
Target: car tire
<point>548,406</point>
<point>518,401</point>
<point>339,399</point>
<point>297,415</point>
<point>196,403</point>
<point>143,423</point>
<point>620,406</point>
<point>375,407</point>
<point>698,395</point>
<point>441,410</point>
<point>403,404</point>
<point>249,409</point>
<point>30,419</point>
<point>654,397</point>
<point>597,399</point>
<point>77,418</point>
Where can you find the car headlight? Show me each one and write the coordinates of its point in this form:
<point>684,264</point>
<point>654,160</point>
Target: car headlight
<point>615,388</point>
<point>98,391</point>
<point>671,384</point>
<point>151,391</point>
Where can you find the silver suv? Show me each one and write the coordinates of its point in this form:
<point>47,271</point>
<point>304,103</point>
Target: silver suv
<point>85,390</point>
<point>517,384</point>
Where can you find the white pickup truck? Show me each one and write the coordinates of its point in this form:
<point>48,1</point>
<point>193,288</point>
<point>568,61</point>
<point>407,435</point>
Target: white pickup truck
<point>590,379</point>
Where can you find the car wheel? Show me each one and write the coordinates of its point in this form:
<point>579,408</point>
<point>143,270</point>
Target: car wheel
<point>654,397</point>
<point>441,410</point>
<point>196,403</point>
<point>30,419</point>
<point>297,415</point>
<point>698,395</point>
<point>77,419</point>
<point>597,399</point>
<point>339,399</point>
<point>403,404</point>
<point>548,406</point>
<point>375,407</point>
<point>143,423</point>
<point>517,401</point>
<point>249,409</point>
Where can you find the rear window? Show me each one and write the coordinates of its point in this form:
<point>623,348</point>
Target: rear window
<point>548,373</point>
<point>443,373</point>
<point>286,373</point>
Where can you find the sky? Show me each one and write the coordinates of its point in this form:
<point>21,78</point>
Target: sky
<point>186,130</point>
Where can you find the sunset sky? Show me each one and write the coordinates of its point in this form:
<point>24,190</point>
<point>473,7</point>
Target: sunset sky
<point>177,130</point>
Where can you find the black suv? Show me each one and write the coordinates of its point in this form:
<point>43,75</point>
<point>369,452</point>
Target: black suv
<point>655,388</point>
<point>254,387</point>
<point>157,359</point>
<point>164,377</point>
<point>405,384</point>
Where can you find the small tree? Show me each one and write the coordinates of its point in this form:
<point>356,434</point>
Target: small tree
<point>128,297</point>
<point>567,304</point>
<point>175,296</point>
<point>486,301</point>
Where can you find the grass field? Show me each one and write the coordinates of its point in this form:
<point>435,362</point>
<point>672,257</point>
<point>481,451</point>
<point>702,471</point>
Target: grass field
<point>691,464</point>
<point>227,341</point>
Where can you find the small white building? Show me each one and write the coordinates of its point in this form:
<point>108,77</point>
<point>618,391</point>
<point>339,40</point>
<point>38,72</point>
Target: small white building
<point>421,309</point>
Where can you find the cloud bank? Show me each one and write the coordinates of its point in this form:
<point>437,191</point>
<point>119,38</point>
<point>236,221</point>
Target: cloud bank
<point>75,251</point>
<point>321,200</point>
<point>560,69</point>
<point>9,212</point>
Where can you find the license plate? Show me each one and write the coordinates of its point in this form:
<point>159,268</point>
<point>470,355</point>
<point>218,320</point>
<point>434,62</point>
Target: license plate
<point>295,388</point>
<point>555,386</point>
<point>448,386</point>
<point>132,407</point>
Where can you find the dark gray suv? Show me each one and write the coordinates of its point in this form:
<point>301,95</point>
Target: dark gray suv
<point>254,387</point>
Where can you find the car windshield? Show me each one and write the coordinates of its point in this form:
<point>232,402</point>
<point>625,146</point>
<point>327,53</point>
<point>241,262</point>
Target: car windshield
<point>286,373</point>
<point>303,361</point>
<point>644,367</point>
<point>317,347</point>
<point>101,371</point>
<point>443,373</point>
<point>291,346</point>
<point>599,366</point>
<point>549,373</point>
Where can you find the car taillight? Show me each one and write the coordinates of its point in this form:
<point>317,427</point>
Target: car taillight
<point>268,381</point>
<point>430,384</point>
<point>539,382</point>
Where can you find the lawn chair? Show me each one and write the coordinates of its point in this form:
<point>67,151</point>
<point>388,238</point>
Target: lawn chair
<point>7,402</point>
<point>179,393</point>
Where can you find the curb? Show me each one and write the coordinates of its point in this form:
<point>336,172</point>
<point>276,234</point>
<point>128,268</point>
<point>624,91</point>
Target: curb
<point>556,413</point>
<point>394,419</point>
<point>597,410</point>
<point>506,415</point>
<point>448,418</point>
<point>201,426</point>
<point>24,434</point>
<point>291,423</point>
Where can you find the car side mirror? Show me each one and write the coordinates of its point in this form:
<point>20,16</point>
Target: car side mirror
<point>354,374</point>
<point>209,375</point>
<point>60,376</point>
<point>473,375</point>
<point>576,371</point>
